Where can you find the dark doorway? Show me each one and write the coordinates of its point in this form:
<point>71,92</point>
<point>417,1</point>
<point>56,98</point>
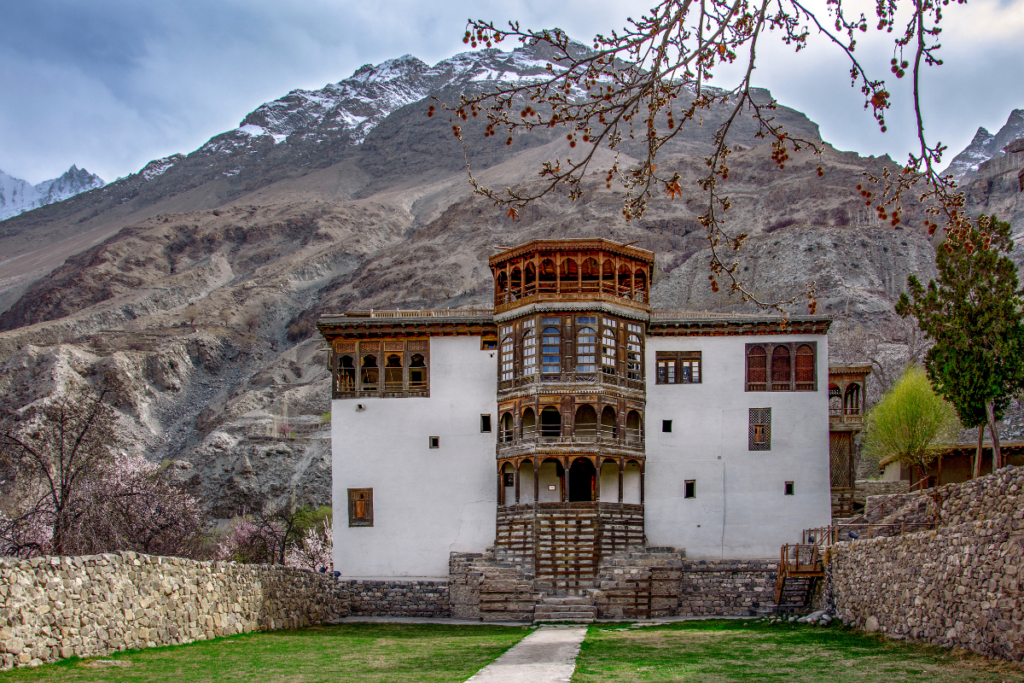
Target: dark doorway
<point>581,481</point>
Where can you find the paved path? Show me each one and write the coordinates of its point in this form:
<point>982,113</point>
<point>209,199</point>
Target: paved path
<point>548,655</point>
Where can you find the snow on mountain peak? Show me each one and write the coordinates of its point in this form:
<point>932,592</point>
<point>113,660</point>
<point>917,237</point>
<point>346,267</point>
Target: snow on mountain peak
<point>18,196</point>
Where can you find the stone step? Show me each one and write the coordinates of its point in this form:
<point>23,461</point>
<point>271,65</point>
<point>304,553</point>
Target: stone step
<point>547,607</point>
<point>570,618</point>
<point>567,600</point>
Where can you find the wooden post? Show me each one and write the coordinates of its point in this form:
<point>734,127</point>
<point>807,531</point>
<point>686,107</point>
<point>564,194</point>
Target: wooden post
<point>517,466</point>
<point>536,482</point>
<point>597,482</point>
<point>621,467</point>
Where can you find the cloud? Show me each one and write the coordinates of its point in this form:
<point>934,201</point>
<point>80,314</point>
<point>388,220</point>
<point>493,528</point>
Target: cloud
<point>111,84</point>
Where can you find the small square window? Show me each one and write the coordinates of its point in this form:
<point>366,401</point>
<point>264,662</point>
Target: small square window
<point>509,478</point>
<point>485,424</point>
<point>789,488</point>
<point>488,343</point>
<point>360,507</point>
<point>690,489</point>
<point>666,425</point>
<point>552,487</point>
<point>435,441</point>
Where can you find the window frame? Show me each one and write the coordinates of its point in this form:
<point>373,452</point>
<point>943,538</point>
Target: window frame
<point>433,442</point>
<point>690,489</point>
<point>677,361</point>
<point>486,423</point>
<point>367,518</point>
<point>387,384</point>
<point>666,426</point>
<point>769,383</point>
<point>759,418</point>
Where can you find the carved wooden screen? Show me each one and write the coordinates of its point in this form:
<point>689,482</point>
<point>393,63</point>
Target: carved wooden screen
<point>840,449</point>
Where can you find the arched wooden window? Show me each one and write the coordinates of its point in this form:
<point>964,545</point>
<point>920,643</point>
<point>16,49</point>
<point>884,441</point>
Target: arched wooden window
<point>417,371</point>
<point>505,428</point>
<point>608,277</point>
<point>346,374</point>
<point>501,283</point>
<point>780,368</point>
<point>805,368</point>
<point>529,280</point>
<point>835,400</point>
<point>757,369</point>
<point>516,283</point>
<point>547,278</point>
<point>634,362</point>
<point>634,427</point>
<point>507,358</point>
<point>586,350</point>
<point>625,281</point>
<point>529,427</point>
<point>569,277</point>
<point>550,355</point>
<point>370,375</point>
<point>393,372</point>
<point>609,423</point>
<point>640,285</point>
<point>852,404</point>
<point>550,422</point>
<point>585,423</point>
<point>590,274</point>
<point>608,353</point>
<point>529,353</point>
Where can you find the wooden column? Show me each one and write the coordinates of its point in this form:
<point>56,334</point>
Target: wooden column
<point>565,480</point>
<point>517,466</point>
<point>597,479</point>
<point>622,465</point>
<point>642,477</point>
<point>536,482</point>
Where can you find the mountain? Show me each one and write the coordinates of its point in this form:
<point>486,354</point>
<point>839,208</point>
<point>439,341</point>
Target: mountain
<point>199,278</point>
<point>985,146</point>
<point>17,196</point>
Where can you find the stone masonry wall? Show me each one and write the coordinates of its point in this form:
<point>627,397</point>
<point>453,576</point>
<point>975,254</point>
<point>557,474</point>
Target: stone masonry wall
<point>55,607</point>
<point>958,585</point>
<point>726,587</point>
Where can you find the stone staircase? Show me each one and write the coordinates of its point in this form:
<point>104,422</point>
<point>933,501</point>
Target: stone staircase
<point>574,609</point>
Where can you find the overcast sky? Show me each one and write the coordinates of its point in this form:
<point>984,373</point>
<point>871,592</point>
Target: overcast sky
<point>111,84</point>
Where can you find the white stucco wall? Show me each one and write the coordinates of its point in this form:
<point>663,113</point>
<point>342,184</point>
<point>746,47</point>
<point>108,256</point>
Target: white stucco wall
<point>741,510</point>
<point>426,502</point>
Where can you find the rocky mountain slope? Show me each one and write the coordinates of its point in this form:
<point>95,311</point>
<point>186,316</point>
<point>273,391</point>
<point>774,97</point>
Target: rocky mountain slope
<point>985,146</point>
<point>18,196</point>
<point>199,279</point>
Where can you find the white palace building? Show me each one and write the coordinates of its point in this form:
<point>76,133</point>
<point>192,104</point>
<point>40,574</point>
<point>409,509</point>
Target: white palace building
<point>572,422</point>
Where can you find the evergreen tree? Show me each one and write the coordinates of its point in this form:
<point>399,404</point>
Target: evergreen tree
<point>973,313</point>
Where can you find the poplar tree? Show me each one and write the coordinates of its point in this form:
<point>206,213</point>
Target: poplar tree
<point>973,313</point>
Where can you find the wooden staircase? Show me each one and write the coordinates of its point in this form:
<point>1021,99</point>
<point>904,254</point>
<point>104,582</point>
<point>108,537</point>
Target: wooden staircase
<point>800,567</point>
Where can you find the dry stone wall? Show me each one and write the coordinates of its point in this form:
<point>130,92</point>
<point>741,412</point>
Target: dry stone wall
<point>959,585</point>
<point>54,607</point>
<point>726,587</point>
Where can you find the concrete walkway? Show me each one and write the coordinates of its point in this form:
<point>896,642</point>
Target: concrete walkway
<point>548,655</point>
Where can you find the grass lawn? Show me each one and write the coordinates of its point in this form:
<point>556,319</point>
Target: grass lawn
<point>425,653</point>
<point>727,650</point>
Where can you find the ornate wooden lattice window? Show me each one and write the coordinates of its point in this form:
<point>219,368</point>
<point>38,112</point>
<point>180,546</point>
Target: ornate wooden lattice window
<point>507,357</point>
<point>770,367</point>
<point>586,350</point>
<point>550,351</point>
<point>634,352</point>
<point>678,367</point>
<point>759,433</point>
<point>360,507</point>
<point>386,368</point>
<point>609,354</point>
<point>529,353</point>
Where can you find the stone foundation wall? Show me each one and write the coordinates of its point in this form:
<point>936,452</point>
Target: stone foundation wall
<point>394,598</point>
<point>870,487</point>
<point>56,607</point>
<point>726,587</point>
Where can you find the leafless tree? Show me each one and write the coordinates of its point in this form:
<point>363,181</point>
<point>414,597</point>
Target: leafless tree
<point>651,79</point>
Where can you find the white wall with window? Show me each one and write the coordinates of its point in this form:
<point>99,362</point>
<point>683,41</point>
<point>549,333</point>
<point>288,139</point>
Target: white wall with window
<point>739,509</point>
<point>427,501</point>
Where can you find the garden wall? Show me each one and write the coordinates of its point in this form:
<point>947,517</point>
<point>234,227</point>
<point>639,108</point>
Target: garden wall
<point>958,585</point>
<point>55,607</point>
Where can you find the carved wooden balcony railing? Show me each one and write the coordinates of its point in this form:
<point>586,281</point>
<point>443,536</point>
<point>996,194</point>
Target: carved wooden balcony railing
<point>572,378</point>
